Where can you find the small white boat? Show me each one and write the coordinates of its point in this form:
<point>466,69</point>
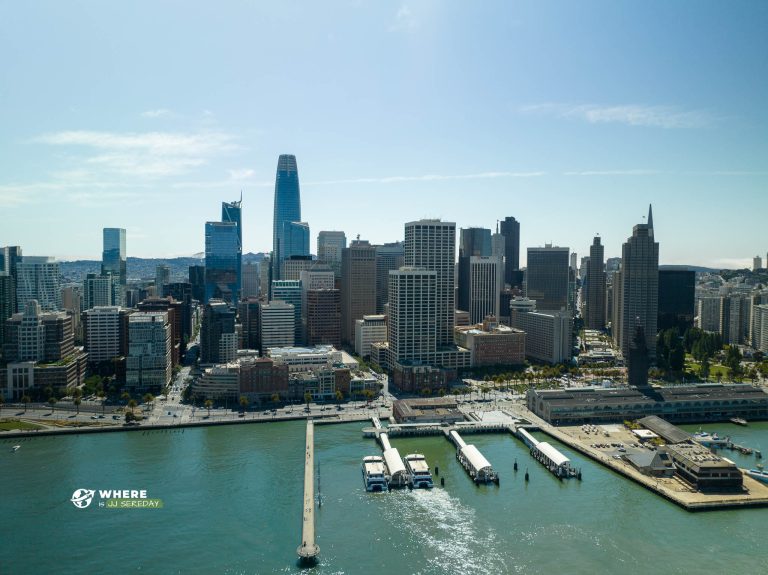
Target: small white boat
<point>738,421</point>
<point>419,476</point>
<point>15,448</point>
<point>374,476</point>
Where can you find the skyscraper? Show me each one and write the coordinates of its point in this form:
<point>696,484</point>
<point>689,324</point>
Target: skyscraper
<point>222,254</point>
<point>162,277</point>
<point>484,288</point>
<point>10,256</point>
<point>197,281</point>
<point>217,335</point>
<point>595,282</point>
<point>358,286</point>
<point>547,277</point>
<point>329,246</point>
<point>431,244</point>
<point>510,229</point>
<point>636,289</point>
<point>677,299</point>
<point>287,207</point>
<point>250,280</point>
<point>38,278</point>
<point>232,212</point>
<point>389,257</point>
<point>472,242</point>
<point>113,254</point>
<point>295,239</point>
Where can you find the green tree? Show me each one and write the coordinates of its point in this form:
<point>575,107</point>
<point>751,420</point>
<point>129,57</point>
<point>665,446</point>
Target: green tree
<point>307,398</point>
<point>208,404</point>
<point>132,405</point>
<point>77,401</point>
<point>52,402</point>
<point>339,396</point>
<point>243,403</point>
<point>25,399</point>
<point>148,399</point>
<point>704,369</point>
<point>275,397</point>
<point>125,396</point>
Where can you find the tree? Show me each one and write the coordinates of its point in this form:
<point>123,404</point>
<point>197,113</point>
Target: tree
<point>25,399</point>
<point>243,403</point>
<point>129,416</point>
<point>132,405</point>
<point>208,404</point>
<point>307,398</point>
<point>52,402</point>
<point>77,402</point>
<point>148,398</point>
<point>275,397</point>
<point>125,396</point>
<point>101,395</point>
<point>704,369</point>
<point>339,396</point>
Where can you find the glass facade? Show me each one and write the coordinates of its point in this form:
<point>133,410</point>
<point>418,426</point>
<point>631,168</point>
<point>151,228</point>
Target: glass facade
<point>287,207</point>
<point>296,239</point>
<point>113,256</point>
<point>232,212</point>
<point>222,254</point>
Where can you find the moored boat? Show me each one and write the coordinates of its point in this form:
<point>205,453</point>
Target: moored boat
<point>419,475</point>
<point>738,421</point>
<point>374,476</point>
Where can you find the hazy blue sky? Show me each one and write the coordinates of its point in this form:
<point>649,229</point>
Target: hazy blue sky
<point>570,116</point>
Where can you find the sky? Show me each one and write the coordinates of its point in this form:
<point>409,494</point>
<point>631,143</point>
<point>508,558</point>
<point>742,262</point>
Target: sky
<point>570,116</point>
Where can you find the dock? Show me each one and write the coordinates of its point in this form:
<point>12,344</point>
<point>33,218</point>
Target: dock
<point>557,463</point>
<point>308,550</point>
<point>470,458</point>
<point>397,474</point>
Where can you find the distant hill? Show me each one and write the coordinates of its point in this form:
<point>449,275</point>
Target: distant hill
<point>698,269</point>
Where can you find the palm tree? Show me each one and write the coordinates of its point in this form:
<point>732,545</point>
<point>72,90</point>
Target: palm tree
<point>77,402</point>
<point>148,399</point>
<point>125,396</point>
<point>307,398</point>
<point>208,404</point>
<point>243,403</point>
<point>339,396</point>
<point>100,394</point>
<point>52,403</point>
<point>25,399</point>
<point>132,404</point>
<point>275,397</point>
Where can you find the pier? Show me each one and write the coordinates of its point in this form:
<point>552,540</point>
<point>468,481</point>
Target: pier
<point>398,475</point>
<point>308,550</point>
<point>470,458</point>
<point>557,463</point>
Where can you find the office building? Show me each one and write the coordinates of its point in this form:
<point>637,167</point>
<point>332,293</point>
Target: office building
<point>248,315</point>
<point>197,281</point>
<point>290,291</point>
<point>37,278</point>
<point>760,328</point>
<point>6,304</point>
<point>265,278</point>
<point>677,297</point>
<point>218,338</point>
<point>162,277</point>
<point>548,335</point>
<point>498,244</point>
<point>547,277</point>
<point>735,316</point>
<point>251,280</point>
<point>413,314</point>
<point>231,212</point>
<point>293,266</point>
<point>149,365</point>
<point>101,290</point>
<point>485,283</point>
<point>492,344</point>
<point>222,261</point>
<point>510,229</point>
<point>276,325</point>
<point>594,318</point>
<point>176,315</point>
<point>106,333</point>
<point>757,263</point>
<point>287,208</point>
<point>182,293</point>
<point>358,286</point>
<point>369,330</point>
<point>322,308</point>
<point>708,314</point>
<point>389,257</point>
<point>319,276</point>
<point>329,247</point>
<point>472,242</point>
<point>295,239</point>
<point>636,289</point>
<point>113,256</point>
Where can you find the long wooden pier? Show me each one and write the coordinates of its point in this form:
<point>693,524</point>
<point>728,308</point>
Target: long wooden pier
<point>308,550</point>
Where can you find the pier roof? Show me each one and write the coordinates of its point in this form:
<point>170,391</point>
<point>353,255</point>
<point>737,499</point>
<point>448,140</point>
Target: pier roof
<point>394,463</point>
<point>664,429</point>
<point>552,454</point>
<point>475,458</point>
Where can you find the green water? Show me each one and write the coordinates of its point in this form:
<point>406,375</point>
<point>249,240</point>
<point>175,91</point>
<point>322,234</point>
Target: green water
<point>232,499</point>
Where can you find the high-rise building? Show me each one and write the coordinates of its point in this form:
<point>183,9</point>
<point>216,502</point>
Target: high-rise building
<point>287,207</point>
<point>594,318</point>
<point>510,229</point>
<point>389,257</point>
<point>295,239</point>
<point>218,339</point>
<point>370,329</point>
<point>148,365</point>
<point>757,263</point>
<point>319,276</point>
<point>197,281</point>
<point>276,325</point>
<point>248,313</point>
<point>182,293</point>
<point>6,303</point>
<point>472,242</point>
<point>547,334</point>
<point>222,261</point>
<point>106,336</point>
<point>101,290</point>
<point>162,277</point>
<point>10,256</point>
<point>485,280</point>
<point>290,291</point>
<point>113,256</point>
<point>760,327</point>
<point>329,247</point>
<point>38,279</point>
<point>265,278</point>
<point>250,275</point>
<point>636,289</point>
<point>176,316</point>
<point>322,308</point>
<point>547,277</point>
<point>574,260</point>
<point>294,265</point>
<point>232,212</point>
<point>431,244</point>
<point>708,314</point>
<point>413,314</point>
<point>735,315</point>
<point>637,360</point>
<point>358,286</point>
<point>677,297</point>
<point>498,244</point>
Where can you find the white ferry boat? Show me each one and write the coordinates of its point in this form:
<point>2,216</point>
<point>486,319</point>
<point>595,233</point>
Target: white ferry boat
<point>419,475</point>
<point>760,474</point>
<point>374,476</point>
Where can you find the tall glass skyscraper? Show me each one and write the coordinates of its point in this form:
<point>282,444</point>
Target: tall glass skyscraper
<point>232,212</point>
<point>287,208</point>
<point>510,229</point>
<point>222,254</point>
<point>113,256</point>
<point>295,239</point>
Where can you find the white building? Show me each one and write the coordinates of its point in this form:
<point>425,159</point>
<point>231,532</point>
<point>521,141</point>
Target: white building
<point>547,335</point>
<point>102,333</point>
<point>760,328</point>
<point>708,314</point>
<point>38,278</point>
<point>306,358</point>
<point>276,325</point>
<point>103,290</point>
<point>370,329</point>
<point>757,263</point>
<point>148,366</point>
<point>486,279</point>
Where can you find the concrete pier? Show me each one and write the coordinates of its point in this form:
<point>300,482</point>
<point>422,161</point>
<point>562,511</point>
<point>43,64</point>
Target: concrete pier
<point>308,550</point>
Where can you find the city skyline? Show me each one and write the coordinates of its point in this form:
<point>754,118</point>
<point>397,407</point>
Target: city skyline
<point>572,141</point>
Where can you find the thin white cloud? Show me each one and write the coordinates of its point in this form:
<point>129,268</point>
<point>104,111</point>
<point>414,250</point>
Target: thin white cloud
<point>148,154</point>
<point>241,174</point>
<point>630,114</point>
<point>404,19</point>
<point>157,113</point>
<point>429,178</point>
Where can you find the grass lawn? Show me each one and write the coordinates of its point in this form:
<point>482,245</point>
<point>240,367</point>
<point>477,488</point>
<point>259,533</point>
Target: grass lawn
<point>14,424</point>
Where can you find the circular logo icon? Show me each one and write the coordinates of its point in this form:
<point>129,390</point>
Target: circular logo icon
<point>82,498</point>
